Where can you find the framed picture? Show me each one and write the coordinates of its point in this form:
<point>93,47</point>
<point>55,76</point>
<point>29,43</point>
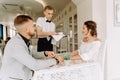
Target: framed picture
<point>117,12</point>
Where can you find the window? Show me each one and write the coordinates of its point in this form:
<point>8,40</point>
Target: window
<point>1,31</point>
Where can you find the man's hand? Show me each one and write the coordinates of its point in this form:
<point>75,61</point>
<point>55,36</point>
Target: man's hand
<point>59,58</point>
<point>50,53</point>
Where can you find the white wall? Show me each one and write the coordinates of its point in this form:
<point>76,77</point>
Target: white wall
<point>84,12</point>
<point>113,37</point>
<point>99,15</point>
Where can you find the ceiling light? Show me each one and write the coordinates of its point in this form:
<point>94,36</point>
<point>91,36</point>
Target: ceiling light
<point>41,2</point>
<point>61,24</point>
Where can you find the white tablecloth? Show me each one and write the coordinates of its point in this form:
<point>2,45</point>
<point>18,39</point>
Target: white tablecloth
<point>79,71</point>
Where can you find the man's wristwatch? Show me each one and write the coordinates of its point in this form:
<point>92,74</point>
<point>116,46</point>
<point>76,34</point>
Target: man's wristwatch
<point>45,54</point>
<point>57,60</point>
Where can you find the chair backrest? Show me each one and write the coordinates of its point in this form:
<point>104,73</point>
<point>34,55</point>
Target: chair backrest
<point>0,57</point>
<point>101,54</point>
<point>0,54</point>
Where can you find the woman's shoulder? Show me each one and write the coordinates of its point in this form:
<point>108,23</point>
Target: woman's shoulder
<point>97,43</point>
<point>86,40</point>
<point>97,40</point>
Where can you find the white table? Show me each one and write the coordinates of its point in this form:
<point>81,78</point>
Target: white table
<point>79,71</point>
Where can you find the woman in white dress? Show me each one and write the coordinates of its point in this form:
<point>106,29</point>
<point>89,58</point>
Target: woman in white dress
<point>89,45</point>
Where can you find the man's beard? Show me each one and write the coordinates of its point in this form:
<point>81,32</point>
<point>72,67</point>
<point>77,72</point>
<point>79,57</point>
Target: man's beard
<point>31,34</point>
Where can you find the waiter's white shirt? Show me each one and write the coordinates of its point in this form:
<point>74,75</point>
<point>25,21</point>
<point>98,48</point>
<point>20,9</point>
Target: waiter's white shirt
<point>45,26</point>
<point>17,62</point>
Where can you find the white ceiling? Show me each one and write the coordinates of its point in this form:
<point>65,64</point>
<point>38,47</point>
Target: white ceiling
<point>10,8</point>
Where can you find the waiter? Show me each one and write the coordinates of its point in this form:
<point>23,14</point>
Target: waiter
<point>45,29</point>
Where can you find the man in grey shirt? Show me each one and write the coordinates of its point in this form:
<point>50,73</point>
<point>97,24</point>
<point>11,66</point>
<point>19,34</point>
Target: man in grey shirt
<point>18,63</point>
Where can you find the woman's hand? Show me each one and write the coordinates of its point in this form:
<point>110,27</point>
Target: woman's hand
<point>76,57</point>
<point>75,53</point>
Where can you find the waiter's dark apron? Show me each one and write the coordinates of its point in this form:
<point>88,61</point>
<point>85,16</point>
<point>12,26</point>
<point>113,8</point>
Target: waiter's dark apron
<point>44,45</point>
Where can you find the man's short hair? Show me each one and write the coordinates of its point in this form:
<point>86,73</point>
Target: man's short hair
<point>21,19</point>
<point>48,7</point>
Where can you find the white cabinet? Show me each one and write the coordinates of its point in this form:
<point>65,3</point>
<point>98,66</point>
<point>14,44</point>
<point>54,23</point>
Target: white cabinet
<point>73,33</point>
<point>66,22</point>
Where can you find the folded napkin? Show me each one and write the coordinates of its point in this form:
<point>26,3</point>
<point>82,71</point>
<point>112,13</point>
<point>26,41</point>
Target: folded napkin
<point>56,39</point>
